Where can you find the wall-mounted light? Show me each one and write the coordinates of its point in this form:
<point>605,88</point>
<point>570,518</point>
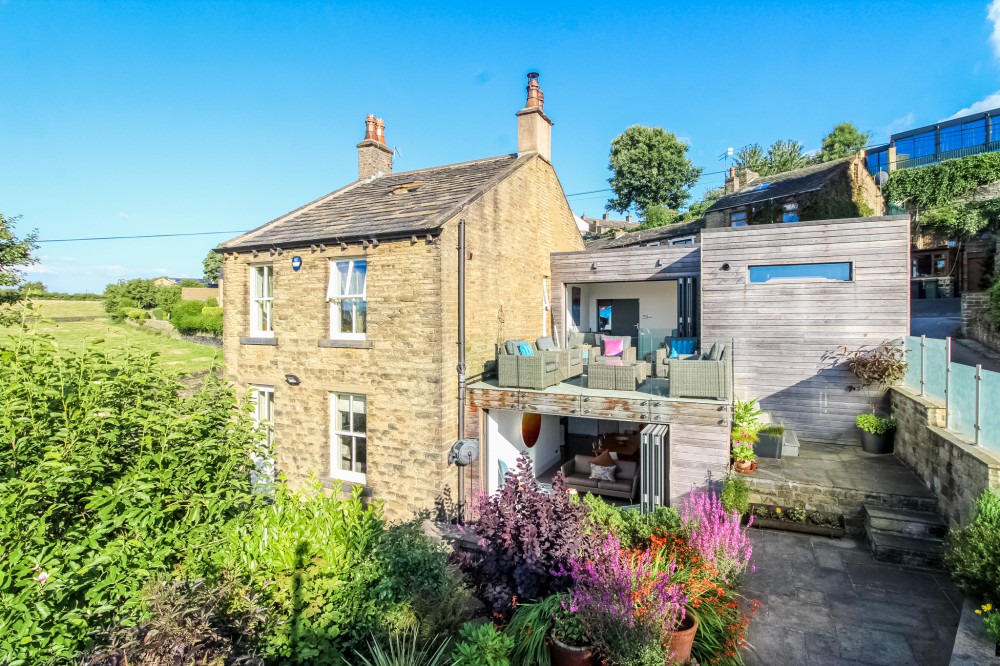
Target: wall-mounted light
<point>322,248</point>
<point>280,252</point>
<point>726,267</point>
<point>343,246</point>
<point>593,267</point>
<point>292,380</point>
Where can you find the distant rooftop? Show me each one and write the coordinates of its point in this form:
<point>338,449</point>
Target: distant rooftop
<point>778,186</point>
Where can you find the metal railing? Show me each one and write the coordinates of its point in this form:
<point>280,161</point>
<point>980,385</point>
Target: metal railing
<point>971,395</point>
<point>913,162</point>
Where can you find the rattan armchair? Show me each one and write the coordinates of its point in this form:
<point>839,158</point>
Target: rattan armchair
<point>701,378</point>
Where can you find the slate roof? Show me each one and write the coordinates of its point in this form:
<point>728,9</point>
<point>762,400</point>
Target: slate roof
<point>779,186</point>
<point>382,207</point>
<point>653,235</point>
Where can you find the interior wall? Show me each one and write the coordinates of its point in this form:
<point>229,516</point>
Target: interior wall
<point>657,302</point>
<point>504,442</point>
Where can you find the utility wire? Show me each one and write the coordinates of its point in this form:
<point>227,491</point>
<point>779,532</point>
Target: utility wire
<point>104,238</point>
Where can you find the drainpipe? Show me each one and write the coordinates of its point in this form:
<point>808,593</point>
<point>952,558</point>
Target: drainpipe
<point>461,362</point>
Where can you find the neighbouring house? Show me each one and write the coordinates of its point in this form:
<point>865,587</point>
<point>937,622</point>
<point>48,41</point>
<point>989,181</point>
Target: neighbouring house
<point>749,311</point>
<point>830,190</point>
<point>600,225</point>
<point>341,317</point>
<point>685,233</point>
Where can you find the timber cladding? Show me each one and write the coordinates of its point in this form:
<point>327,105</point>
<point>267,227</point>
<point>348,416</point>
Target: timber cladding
<point>625,264</point>
<point>785,332</point>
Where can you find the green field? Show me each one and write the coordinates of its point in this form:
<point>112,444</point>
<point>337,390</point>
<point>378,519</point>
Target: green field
<point>185,357</point>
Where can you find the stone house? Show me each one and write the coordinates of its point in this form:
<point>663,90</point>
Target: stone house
<point>831,190</point>
<point>341,317</point>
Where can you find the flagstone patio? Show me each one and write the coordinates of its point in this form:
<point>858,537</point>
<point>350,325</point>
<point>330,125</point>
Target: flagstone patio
<point>827,602</point>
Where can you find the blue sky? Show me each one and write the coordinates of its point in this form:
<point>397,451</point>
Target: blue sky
<point>135,118</point>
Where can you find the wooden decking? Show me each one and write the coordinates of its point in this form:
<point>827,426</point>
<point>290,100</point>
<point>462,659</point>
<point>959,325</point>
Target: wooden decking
<point>648,404</point>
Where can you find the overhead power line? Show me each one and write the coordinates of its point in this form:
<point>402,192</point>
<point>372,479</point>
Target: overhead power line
<point>104,238</point>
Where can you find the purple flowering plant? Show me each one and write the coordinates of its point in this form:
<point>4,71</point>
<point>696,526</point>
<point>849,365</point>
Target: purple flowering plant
<point>717,534</point>
<point>625,601</point>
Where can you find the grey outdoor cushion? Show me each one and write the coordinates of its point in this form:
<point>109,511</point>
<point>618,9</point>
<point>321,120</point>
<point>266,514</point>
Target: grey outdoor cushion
<point>512,346</point>
<point>622,485</point>
<point>714,350</point>
<point>546,344</point>
<point>718,351</point>
<point>575,339</point>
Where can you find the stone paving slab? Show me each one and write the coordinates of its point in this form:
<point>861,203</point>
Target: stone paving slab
<point>827,602</point>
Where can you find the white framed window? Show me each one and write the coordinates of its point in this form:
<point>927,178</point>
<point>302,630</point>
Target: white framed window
<point>348,436</point>
<point>261,300</point>
<point>346,294</point>
<point>263,416</point>
<point>653,244</point>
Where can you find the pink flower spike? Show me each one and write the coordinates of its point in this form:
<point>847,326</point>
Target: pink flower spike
<point>41,578</point>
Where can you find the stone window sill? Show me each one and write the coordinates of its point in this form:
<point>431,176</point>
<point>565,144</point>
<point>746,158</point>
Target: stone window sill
<point>345,486</point>
<point>346,344</point>
<point>259,341</point>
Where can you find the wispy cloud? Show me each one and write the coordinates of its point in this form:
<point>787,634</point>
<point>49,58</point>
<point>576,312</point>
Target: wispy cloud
<point>904,122</point>
<point>985,104</point>
<point>990,101</point>
<point>123,215</point>
<point>38,269</point>
<point>993,14</point>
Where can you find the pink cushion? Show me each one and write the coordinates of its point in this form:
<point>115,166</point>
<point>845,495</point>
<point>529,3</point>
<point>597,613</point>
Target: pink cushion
<point>613,347</point>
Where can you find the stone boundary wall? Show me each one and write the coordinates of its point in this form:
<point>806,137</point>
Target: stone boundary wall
<point>955,471</point>
<point>976,321</point>
<point>160,327</point>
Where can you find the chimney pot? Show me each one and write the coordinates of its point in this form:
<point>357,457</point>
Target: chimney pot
<point>606,216</point>
<point>380,131</point>
<point>370,126</point>
<point>628,219</point>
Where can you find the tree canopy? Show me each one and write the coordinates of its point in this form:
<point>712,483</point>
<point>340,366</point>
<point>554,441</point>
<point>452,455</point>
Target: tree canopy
<point>15,254</point>
<point>650,168</point>
<point>780,157</point>
<point>843,140</point>
<point>213,266</point>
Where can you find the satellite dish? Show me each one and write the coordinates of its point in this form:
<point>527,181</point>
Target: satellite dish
<point>881,178</point>
<point>464,452</point>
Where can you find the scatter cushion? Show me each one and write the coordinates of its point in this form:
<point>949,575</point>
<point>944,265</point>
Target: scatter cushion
<point>525,350</point>
<point>575,339</point>
<point>673,352</point>
<point>604,460</point>
<point>613,347</point>
<point>717,352</point>
<point>602,473</point>
<point>546,344</point>
<point>707,356</point>
<point>512,346</point>
<point>683,346</point>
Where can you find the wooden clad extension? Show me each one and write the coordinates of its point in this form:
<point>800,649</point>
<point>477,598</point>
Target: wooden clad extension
<point>626,264</point>
<point>786,332</point>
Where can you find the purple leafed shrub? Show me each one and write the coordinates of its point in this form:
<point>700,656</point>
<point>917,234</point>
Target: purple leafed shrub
<point>625,601</point>
<point>527,534</point>
<point>717,534</point>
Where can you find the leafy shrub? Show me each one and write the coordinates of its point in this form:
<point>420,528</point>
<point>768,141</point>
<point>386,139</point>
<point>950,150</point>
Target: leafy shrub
<point>405,650</point>
<point>308,558</point>
<point>991,620</point>
<point>877,368</point>
<point>746,415</point>
<point>995,302</point>
<point>736,494</point>
<point>875,425</point>
<point>158,313</point>
<point>190,317</point>
<point>212,311</point>
<point>743,452</point>
<point>527,533</point>
<point>772,429</point>
<point>143,294</point>
<point>136,314</point>
<point>973,553</point>
<point>211,302</point>
<point>424,593</point>
<point>482,645</point>
<point>110,473</point>
<point>189,623</point>
<point>632,528</point>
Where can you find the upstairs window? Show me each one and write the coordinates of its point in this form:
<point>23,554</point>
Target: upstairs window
<point>832,272</point>
<point>261,300</point>
<point>347,296</point>
<point>789,212</point>
<point>349,434</point>
<point>738,218</point>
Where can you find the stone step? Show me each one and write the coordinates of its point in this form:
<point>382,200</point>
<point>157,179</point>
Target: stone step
<point>907,522</point>
<point>901,549</point>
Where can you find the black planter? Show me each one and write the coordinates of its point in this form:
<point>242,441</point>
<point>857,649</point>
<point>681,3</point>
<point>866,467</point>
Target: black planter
<point>884,443</point>
<point>769,445</point>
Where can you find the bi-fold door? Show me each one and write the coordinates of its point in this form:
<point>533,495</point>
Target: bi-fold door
<point>654,463</point>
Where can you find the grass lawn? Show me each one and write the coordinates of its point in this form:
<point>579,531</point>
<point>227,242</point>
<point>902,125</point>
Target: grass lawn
<point>185,357</point>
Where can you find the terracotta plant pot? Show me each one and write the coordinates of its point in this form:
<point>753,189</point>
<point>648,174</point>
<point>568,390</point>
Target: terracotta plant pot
<point>745,466</point>
<point>567,655</point>
<point>683,639</point>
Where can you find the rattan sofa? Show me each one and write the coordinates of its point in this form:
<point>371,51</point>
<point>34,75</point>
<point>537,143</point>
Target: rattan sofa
<point>628,351</point>
<point>538,371</point>
<point>702,378</point>
<point>661,368</point>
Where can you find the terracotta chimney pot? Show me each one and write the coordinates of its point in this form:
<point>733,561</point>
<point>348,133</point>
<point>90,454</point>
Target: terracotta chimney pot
<point>374,157</point>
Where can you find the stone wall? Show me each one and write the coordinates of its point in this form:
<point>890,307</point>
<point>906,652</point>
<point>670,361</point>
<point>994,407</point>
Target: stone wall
<point>956,472</point>
<point>977,322</point>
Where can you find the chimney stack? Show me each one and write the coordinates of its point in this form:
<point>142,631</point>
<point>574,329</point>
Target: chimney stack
<point>732,181</point>
<point>534,129</point>
<point>374,157</point>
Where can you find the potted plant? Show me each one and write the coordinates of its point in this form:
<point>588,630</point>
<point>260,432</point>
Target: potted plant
<point>876,433</point>
<point>569,644</point>
<point>682,639</point>
<point>877,368</point>
<point>770,440</point>
<point>744,458</point>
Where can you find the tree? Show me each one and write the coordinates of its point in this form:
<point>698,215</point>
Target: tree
<point>785,156</point>
<point>650,168</point>
<point>213,266</point>
<point>751,158</point>
<point>14,253</point>
<point>658,216</point>
<point>843,140</point>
